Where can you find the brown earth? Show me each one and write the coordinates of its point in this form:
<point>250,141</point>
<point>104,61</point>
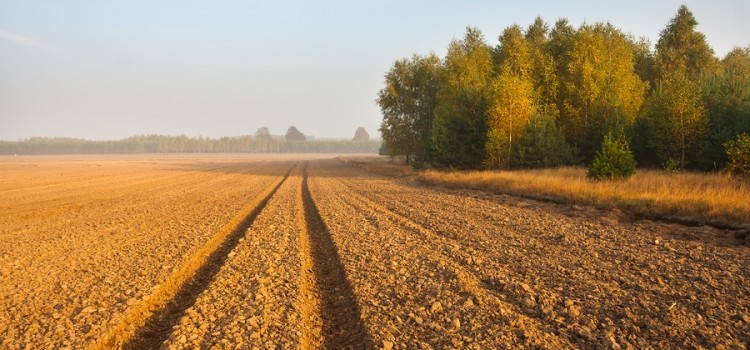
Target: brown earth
<point>237,252</point>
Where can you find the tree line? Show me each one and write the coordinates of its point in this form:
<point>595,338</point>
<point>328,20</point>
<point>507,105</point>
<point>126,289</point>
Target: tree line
<point>549,95</point>
<point>262,142</point>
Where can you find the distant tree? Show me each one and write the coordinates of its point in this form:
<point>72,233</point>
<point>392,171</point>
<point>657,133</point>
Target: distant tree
<point>263,139</point>
<point>511,107</point>
<point>263,133</point>
<point>361,135</point>
<point>682,48</point>
<point>512,52</point>
<point>459,129</point>
<point>383,149</point>
<point>542,144</point>
<point>292,134</point>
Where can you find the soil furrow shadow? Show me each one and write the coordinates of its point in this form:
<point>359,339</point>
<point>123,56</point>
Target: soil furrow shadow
<point>342,325</point>
<point>159,326</point>
<point>468,275</point>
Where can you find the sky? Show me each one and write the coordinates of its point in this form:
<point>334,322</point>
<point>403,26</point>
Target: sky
<point>106,70</point>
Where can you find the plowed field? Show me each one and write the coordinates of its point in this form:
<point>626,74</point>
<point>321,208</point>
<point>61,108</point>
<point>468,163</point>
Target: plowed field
<point>240,252</point>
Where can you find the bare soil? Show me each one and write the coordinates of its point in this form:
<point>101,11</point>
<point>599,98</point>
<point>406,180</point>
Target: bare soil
<point>337,257</point>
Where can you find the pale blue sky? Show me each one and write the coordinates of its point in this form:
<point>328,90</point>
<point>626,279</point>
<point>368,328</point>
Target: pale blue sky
<point>111,69</point>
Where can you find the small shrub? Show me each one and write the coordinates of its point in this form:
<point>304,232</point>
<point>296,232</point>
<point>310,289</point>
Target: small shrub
<point>738,152</point>
<point>671,166</point>
<point>614,160</point>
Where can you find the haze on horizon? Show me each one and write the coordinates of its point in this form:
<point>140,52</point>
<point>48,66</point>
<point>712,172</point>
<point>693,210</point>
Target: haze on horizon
<point>109,70</point>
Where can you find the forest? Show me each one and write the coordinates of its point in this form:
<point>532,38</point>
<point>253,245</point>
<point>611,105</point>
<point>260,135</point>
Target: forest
<point>545,96</point>
<point>261,142</point>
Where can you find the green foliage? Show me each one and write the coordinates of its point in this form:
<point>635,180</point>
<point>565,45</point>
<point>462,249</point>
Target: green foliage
<point>682,48</point>
<point>599,82</point>
<point>614,160</point>
<point>671,166</point>
<point>408,105</point>
<point>542,144</point>
<point>460,126</point>
<point>727,99</point>
<point>458,142</point>
<point>645,62</point>
<point>383,150</point>
<point>678,104</point>
<point>738,152</point>
<point>510,98</point>
<point>676,121</point>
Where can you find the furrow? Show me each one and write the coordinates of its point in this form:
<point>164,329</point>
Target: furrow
<point>340,325</point>
<point>445,256</point>
<point>149,323</point>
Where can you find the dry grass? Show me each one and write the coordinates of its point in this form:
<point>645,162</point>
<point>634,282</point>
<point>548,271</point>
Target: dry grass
<point>380,165</point>
<point>698,196</point>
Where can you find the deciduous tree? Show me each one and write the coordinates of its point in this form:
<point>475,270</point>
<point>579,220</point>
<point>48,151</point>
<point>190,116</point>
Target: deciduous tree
<point>543,68</point>
<point>511,102</point>
<point>460,129</point>
<point>600,85</point>
<point>408,104</point>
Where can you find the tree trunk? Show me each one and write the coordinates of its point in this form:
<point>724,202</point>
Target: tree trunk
<point>510,141</point>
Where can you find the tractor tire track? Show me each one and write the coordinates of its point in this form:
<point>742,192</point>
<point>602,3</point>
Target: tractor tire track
<point>148,325</point>
<point>253,300</point>
<point>332,316</point>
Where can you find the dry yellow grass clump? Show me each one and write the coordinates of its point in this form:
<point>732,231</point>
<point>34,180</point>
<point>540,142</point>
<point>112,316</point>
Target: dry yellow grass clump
<point>701,196</point>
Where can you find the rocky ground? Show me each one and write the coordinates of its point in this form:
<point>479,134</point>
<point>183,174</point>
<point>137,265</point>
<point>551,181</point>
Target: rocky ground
<point>82,242</point>
<point>337,257</point>
<point>254,298</point>
<point>516,273</point>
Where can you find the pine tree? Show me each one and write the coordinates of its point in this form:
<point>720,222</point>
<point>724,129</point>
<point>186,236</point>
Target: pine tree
<point>542,144</point>
<point>613,160</point>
